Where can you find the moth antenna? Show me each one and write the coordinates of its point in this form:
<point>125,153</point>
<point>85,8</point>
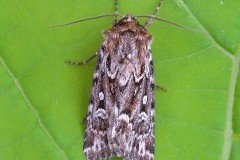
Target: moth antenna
<point>86,19</point>
<point>149,21</point>
<point>116,12</point>
<point>171,22</point>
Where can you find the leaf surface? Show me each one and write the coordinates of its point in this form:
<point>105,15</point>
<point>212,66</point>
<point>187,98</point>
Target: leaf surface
<point>43,100</point>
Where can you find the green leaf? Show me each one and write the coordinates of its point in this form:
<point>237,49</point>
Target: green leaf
<point>236,124</point>
<point>42,100</point>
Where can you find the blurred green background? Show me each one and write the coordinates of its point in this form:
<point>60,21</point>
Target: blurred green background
<point>42,100</point>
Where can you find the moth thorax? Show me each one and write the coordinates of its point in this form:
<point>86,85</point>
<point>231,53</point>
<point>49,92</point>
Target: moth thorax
<point>127,45</point>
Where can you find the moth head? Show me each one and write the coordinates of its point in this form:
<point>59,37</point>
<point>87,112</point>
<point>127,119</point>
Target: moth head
<point>129,18</point>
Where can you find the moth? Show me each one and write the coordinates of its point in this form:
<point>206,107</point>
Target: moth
<point>121,111</point>
<point>120,119</point>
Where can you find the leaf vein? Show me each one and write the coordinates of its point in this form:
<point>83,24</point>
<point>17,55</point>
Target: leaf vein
<point>219,46</point>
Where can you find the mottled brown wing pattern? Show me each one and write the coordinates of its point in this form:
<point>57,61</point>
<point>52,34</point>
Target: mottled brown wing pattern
<point>120,120</point>
<point>132,134</point>
<point>96,140</point>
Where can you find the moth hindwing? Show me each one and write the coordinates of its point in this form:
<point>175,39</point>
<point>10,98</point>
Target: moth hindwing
<point>121,114</point>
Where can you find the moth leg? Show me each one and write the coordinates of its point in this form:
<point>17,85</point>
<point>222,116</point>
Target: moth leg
<point>116,12</point>
<point>160,87</point>
<point>82,62</point>
<point>84,119</point>
<point>149,21</point>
